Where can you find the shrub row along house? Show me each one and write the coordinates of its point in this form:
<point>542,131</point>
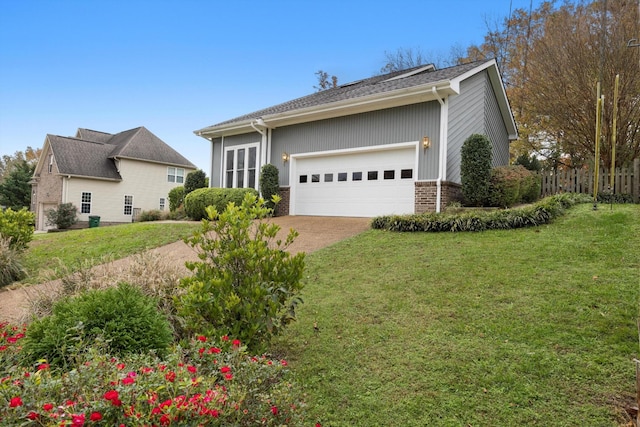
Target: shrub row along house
<point>382,145</point>
<point>112,176</point>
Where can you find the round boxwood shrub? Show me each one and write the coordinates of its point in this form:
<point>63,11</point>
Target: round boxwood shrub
<point>475,169</point>
<point>196,202</point>
<point>123,318</point>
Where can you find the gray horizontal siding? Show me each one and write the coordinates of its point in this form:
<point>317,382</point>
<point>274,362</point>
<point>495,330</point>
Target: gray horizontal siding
<point>389,126</point>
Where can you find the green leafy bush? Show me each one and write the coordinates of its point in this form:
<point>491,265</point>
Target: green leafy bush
<point>246,284</point>
<point>17,226</point>
<point>176,198</point>
<point>194,180</point>
<point>63,217</point>
<point>510,185</point>
<point>205,382</point>
<point>152,215</point>
<point>11,268</point>
<point>539,213</point>
<point>475,169</point>
<point>269,184</point>
<point>614,198</point>
<point>196,202</point>
<point>122,317</point>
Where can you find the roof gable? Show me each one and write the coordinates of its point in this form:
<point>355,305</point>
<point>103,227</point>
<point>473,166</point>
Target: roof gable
<point>93,154</point>
<point>140,144</point>
<point>83,158</point>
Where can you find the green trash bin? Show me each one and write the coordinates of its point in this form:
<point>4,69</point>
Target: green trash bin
<point>94,221</point>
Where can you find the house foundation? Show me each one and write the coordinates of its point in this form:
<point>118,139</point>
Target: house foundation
<point>426,193</point>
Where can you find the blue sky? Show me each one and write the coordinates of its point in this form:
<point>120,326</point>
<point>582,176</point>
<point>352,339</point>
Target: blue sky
<point>177,66</point>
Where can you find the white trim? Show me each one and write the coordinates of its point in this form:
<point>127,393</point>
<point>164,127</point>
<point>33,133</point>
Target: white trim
<point>124,205</point>
<point>90,193</point>
<point>245,177</point>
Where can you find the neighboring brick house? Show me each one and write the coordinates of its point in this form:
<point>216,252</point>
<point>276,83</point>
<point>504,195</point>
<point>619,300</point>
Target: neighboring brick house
<point>382,145</point>
<point>112,176</point>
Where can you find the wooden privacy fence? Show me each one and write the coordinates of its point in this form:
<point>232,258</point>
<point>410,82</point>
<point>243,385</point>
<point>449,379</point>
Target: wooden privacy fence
<point>627,181</point>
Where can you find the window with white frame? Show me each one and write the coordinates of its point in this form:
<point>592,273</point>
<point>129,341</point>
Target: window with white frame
<point>241,166</point>
<point>85,203</point>
<point>128,205</point>
<point>162,203</point>
<point>175,175</point>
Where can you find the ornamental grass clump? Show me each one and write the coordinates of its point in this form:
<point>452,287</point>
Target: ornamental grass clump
<point>246,284</point>
<point>206,382</point>
<point>11,268</point>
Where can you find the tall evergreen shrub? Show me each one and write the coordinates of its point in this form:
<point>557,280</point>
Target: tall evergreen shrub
<point>194,180</point>
<point>475,170</point>
<point>269,184</point>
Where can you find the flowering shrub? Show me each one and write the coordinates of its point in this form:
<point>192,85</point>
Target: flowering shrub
<point>209,382</point>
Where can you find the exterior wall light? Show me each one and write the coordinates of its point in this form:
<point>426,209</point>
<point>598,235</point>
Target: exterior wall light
<point>285,156</point>
<point>426,142</point>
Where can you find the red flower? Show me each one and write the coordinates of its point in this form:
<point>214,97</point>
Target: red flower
<point>214,350</point>
<point>225,338</point>
<point>15,402</point>
<point>43,366</point>
<point>32,415</point>
<point>170,376</point>
<point>228,377</point>
<point>283,363</point>
<point>202,338</point>
<point>192,369</point>
<point>318,425</point>
<point>111,395</point>
<point>3,347</point>
<point>236,343</point>
<point>95,416</point>
<point>120,366</point>
<point>77,420</point>
<point>225,369</point>
<point>274,410</point>
<point>165,420</point>
<point>47,406</point>
<point>128,381</point>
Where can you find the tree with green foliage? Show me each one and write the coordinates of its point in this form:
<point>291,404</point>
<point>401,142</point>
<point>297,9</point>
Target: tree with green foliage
<point>15,190</point>
<point>529,162</point>
<point>475,169</point>
<point>194,180</point>
<point>269,184</point>
<point>246,284</point>
<point>176,197</point>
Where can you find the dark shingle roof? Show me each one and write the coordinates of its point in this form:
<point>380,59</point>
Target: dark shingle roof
<point>92,135</point>
<point>141,144</point>
<point>83,158</point>
<point>370,86</point>
<point>92,153</point>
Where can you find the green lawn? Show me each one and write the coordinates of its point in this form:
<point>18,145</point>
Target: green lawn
<point>47,251</point>
<point>524,327</point>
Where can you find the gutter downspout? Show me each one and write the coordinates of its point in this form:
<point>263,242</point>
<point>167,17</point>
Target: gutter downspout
<point>263,142</point>
<point>442,161</point>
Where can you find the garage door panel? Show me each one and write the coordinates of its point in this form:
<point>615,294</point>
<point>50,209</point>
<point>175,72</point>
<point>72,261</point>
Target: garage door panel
<point>327,185</point>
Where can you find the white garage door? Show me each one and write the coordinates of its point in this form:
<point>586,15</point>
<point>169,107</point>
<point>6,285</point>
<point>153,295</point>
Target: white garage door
<point>361,184</point>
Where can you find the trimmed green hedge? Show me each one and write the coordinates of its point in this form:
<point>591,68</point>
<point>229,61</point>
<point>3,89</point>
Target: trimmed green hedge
<point>196,202</point>
<point>510,185</point>
<point>539,213</point>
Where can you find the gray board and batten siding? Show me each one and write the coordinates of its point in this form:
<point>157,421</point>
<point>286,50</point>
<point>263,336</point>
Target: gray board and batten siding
<point>475,110</point>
